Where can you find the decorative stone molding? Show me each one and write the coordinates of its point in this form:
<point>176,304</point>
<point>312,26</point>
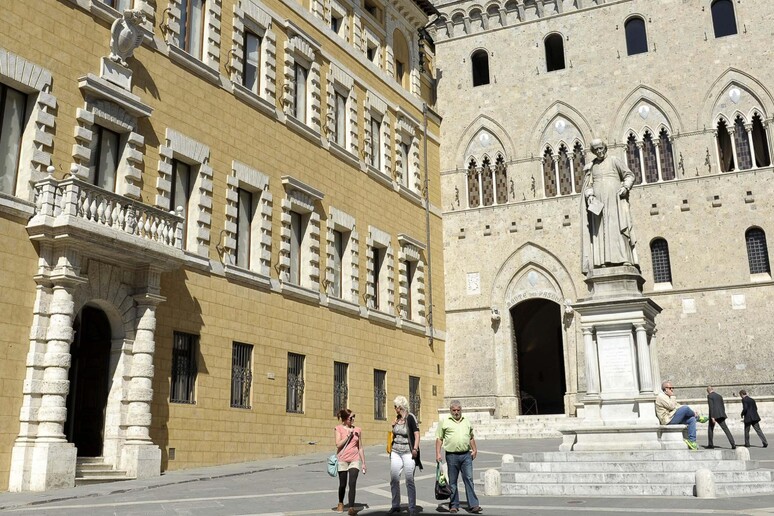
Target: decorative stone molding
<point>211,38</point>
<point>343,83</point>
<point>378,238</point>
<point>300,198</point>
<point>411,251</point>
<point>248,15</point>
<point>406,130</point>
<point>304,51</point>
<point>350,287</point>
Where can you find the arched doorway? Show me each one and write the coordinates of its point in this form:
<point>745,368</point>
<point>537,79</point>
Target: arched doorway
<point>89,382</point>
<point>537,330</point>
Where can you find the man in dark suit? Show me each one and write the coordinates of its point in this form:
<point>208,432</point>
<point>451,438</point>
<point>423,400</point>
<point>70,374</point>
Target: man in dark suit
<point>751,419</point>
<point>717,414</point>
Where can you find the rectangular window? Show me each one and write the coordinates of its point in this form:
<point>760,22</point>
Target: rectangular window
<point>252,62</point>
<point>404,168</point>
<point>338,257</point>
<point>246,209</point>
<point>182,183</point>
<point>336,22</point>
<point>378,261</point>
<point>373,9</point>
<point>415,401</point>
<point>295,401</point>
<point>184,349</point>
<point>119,5</point>
<point>192,15</point>
<point>13,109</point>
<point>297,231</point>
<point>340,388</point>
<point>411,268</point>
<point>371,53</point>
<point>400,70</point>
<point>299,93</point>
<point>380,395</point>
<point>105,154</point>
<point>376,143</point>
<point>241,375</point>
<point>341,119</point>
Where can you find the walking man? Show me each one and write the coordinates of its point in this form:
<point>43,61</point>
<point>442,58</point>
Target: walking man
<point>669,412</point>
<point>717,414</point>
<point>455,434</point>
<point>751,419</point>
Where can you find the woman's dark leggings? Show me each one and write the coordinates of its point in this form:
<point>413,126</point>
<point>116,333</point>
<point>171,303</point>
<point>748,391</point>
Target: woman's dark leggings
<point>352,483</point>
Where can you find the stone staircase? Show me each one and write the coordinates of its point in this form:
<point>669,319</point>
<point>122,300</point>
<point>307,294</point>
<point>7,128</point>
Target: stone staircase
<point>94,470</point>
<point>633,473</point>
<point>518,427</point>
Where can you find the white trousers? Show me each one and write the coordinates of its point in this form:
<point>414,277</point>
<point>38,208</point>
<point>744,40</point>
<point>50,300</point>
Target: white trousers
<point>403,463</point>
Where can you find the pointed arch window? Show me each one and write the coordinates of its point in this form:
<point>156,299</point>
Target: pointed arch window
<point>650,161</point>
<point>501,180</point>
<point>723,18</point>
<point>742,145</point>
<point>479,63</point>
<point>554,46</point>
<point>667,156</point>
<point>633,158</point>
<point>474,189</point>
<point>549,174</point>
<point>757,251</point>
<point>659,252</point>
<point>565,171</point>
<point>487,183</point>
<point>760,143</point>
<point>725,147</point>
<point>578,164</point>
<point>636,37</point>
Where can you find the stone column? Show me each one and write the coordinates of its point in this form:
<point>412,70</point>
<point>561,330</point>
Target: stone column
<point>657,149</point>
<point>592,365</point>
<point>748,129</point>
<point>643,360</point>
<point>732,134</point>
<point>140,458</point>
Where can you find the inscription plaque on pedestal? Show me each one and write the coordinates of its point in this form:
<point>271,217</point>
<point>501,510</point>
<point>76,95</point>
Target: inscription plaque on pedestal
<point>616,363</point>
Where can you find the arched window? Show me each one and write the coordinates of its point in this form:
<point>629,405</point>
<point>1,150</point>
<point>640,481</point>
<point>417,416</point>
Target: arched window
<point>659,252</point>
<point>667,156</point>
<point>725,148</point>
<point>554,52</point>
<point>636,38</point>
<point>742,145</point>
<point>633,158</point>
<point>549,174</point>
<point>760,144</point>
<point>565,172</point>
<point>757,251</point>
<point>578,163</point>
<point>474,189</point>
<point>402,64</point>
<point>650,162</point>
<point>501,180</point>
<point>479,63</point>
<point>723,18</point>
<point>487,183</point>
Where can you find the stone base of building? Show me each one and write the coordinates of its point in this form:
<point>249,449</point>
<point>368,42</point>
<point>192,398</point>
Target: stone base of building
<point>604,438</point>
<point>141,460</point>
<point>40,466</point>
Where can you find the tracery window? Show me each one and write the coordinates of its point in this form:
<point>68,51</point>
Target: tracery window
<point>667,156</point>
<point>742,145</point>
<point>474,188</point>
<point>659,252</point>
<point>760,144</point>
<point>479,63</point>
<point>578,164</point>
<point>636,37</point>
<point>501,180</point>
<point>725,147</point>
<point>565,171</point>
<point>554,47</point>
<point>757,251</point>
<point>633,158</point>
<point>723,18</point>
<point>549,176</point>
<point>487,183</point>
<point>649,159</point>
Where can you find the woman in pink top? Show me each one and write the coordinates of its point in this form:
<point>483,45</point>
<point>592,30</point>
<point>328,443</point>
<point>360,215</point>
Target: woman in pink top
<point>351,457</point>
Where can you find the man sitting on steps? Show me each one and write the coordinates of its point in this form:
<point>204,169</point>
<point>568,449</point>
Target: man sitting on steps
<point>669,412</point>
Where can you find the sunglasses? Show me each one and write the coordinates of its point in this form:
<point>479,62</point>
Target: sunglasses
<point>352,417</point>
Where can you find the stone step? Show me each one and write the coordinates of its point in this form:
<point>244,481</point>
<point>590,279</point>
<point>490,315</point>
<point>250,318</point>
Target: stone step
<point>745,488</point>
<point>628,466</point>
<point>99,479</point>
<point>629,456</point>
<point>653,477</point>
<point>598,489</point>
<point>90,460</point>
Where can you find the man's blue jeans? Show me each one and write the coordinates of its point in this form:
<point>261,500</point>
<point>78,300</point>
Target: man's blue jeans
<point>685,416</point>
<point>461,463</point>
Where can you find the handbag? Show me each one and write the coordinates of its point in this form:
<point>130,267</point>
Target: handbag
<point>333,460</point>
<point>442,489</point>
<point>389,442</point>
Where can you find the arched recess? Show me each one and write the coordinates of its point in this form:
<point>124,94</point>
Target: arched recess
<point>467,146</point>
<point>549,117</point>
<point>714,103</point>
<point>531,272</point>
<point>660,111</point>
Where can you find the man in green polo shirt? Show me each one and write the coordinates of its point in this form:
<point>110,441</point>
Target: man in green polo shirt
<point>455,435</point>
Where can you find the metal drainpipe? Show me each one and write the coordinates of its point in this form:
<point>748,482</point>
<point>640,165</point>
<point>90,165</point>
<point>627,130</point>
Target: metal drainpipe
<point>429,316</point>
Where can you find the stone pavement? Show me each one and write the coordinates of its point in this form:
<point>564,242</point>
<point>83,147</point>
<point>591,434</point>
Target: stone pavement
<point>299,486</point>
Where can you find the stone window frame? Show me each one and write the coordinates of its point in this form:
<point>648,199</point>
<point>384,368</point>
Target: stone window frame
<point>370,37</point>
<point>301,199</point>
<point>207,66</point>
<point>247,178</point>
<point>735,13</point>
<point>561,129</point>
<point>631,17</point>
<point>729,117</point>
<point>411,250</point>
<point>185,149</point>
<point>376,107</point>
<point>341,82</point>
<point>109,14</point>
<point>300,48</point>
<point>666,272</point>
<point>111,116</point>
<point>563,41</point>
<point>380,239</point>
<point>414,82</point>
<point>37,141</point>
<point>759,266</point>
<point>249,15</point>
<point>406,131</point>
<point>332,7</point>
<point>350,281</point>
<point>639,138</point>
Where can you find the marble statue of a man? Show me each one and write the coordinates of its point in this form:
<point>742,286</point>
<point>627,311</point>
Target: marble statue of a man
<point>606,228</point>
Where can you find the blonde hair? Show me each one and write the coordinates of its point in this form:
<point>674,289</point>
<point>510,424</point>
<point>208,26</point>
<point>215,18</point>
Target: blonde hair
<point>402,403</point>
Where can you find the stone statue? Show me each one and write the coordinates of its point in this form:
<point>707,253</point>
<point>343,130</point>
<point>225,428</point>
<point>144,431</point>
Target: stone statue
<point>607,235</point>
<point>126,36</point>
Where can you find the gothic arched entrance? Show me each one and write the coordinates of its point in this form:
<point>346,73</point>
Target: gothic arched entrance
<point>89,382</point>
<point>537,331</point>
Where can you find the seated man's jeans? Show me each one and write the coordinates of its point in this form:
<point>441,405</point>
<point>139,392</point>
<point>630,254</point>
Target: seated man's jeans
<point>685,416</point>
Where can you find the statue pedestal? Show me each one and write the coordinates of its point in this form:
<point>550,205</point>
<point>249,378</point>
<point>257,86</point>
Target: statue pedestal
<point>618,325</point>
